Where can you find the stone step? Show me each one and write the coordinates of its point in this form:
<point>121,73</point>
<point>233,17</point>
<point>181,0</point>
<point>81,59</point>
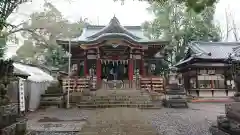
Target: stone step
<point>116,97</point>
<point>127,99</point>
<point>154,107</point>
<point>130,99</point>
<point>113,97</point>
<point>114,102</point>
<point>118,133</point>
<point>116,105</point>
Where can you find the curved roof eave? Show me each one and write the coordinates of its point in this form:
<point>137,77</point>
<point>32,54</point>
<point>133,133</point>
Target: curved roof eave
<point>107,36</point>
<point>119,36</point>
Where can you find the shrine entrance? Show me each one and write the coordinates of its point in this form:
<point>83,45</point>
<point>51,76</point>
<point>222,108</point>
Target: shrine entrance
<point>114,70</point>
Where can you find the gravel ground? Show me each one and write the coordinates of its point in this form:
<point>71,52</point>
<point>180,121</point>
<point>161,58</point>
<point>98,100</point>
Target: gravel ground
<point>195,120</point>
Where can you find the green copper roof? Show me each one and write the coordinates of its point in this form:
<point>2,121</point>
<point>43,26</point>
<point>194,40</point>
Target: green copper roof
<point>114,29</point>
<point>211,50</point>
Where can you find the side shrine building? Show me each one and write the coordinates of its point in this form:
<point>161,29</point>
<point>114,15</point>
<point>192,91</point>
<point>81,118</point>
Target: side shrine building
<point>113,52</point>
<point>206,71</point>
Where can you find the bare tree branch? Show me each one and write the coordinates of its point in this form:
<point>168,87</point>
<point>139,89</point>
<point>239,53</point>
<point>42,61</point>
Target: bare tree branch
<point>235,32</point>
<point>32,31</point>
<point>227,25</point>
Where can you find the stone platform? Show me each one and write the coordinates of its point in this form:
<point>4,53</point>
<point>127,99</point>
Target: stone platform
<point>119,98</point>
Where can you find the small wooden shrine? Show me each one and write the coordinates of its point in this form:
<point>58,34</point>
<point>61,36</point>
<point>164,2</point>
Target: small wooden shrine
<point>114,52</point>
<point>206,71</point>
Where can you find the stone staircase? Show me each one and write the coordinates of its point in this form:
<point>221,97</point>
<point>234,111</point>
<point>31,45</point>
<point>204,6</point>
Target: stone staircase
<point>119,98</point>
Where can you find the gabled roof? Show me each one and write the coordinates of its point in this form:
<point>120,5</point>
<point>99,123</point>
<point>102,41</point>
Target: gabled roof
<point>91,31</point>
<point>211,51</point>
<point>114,30</point>
<point>18,72</point>
<point>114,26</point>
<point>35,74</point>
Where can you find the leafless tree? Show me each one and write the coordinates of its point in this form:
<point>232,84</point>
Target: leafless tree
<point>231,27</point>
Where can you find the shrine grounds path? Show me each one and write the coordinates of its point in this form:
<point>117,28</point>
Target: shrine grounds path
<point>195,120</point>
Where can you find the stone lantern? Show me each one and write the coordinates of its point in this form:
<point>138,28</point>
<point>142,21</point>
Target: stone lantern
<point>175,95</point>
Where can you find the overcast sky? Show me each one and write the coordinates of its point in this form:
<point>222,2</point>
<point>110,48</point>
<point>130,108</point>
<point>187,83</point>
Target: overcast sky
<point>100,12</point>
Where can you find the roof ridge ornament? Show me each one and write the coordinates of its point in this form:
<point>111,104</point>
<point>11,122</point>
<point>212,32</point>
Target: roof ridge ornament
<point>114,20</point>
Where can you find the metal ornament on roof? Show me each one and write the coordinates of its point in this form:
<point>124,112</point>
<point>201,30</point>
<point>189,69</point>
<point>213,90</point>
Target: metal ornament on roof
<point>115,45</point>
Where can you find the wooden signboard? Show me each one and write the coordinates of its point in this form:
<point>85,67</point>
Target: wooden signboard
<point>21,95</point>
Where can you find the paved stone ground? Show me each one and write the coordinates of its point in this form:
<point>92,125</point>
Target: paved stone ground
<point>55,119</point>
<point>119,121</point>
<point>195,120</point>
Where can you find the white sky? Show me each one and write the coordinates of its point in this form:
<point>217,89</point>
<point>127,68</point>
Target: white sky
<point>100,12</point>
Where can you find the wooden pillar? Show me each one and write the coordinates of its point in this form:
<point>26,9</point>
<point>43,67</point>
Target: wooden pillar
<point>78,67</point>
<point>85,64</point>
<point>143,72</point>
<point>98,68</point>
<point>196,74</point>
<point>130,69</point>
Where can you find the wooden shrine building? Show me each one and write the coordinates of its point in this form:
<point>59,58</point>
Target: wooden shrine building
<point>205,69</point>
<point>122,51</point>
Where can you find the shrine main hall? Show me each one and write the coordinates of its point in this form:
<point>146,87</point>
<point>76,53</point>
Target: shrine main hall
<point>123,52</point>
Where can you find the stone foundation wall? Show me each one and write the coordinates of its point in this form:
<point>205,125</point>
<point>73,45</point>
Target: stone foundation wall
<point>9,109</point>
<point>9,120</point>
<point>8,115</point>
<point>18,128</point>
